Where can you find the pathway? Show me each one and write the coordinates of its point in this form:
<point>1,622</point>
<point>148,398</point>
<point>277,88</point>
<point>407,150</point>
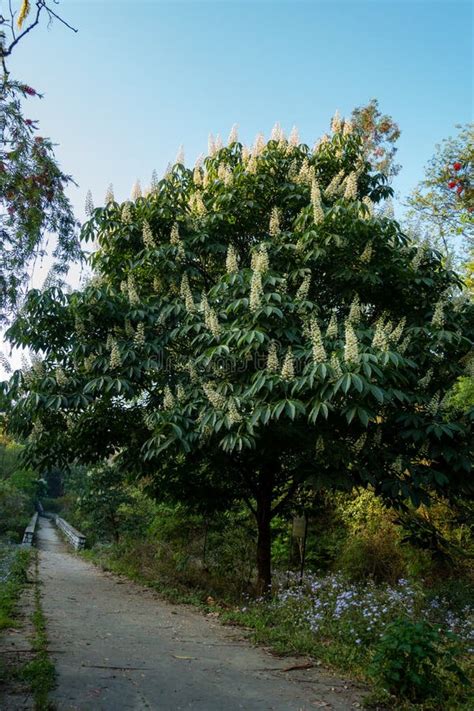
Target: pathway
<point>118,646</point>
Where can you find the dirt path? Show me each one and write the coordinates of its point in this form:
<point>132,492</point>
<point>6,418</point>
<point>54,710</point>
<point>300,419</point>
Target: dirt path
<point>118,646</point>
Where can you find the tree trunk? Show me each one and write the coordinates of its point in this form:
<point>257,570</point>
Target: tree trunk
<point>264,540</point>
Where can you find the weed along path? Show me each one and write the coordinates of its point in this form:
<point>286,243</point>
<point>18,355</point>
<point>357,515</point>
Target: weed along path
<point>118,646</point>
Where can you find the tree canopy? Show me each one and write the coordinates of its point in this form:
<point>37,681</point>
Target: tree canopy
<point>33,200</point>
<point>254,323</point>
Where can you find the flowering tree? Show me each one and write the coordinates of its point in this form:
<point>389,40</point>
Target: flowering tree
<point>33,202</point>
<point>379,134</point>
<point>260,322</point>
<point>443,203</point>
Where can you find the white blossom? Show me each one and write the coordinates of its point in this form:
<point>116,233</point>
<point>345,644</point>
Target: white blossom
<point>132,291</point>
<point>274,227</point>
<point>294,138</point>
<point>258,145</point>
<point>419,256</point>
<point>288,368</point>
<point>260,260</point>
<point>366,255</point>
<point>61,377</point>
<point>272,358</point>
<point>147,235</point>
<point>350,191</point>
<point>215,398</point>
<point>126,213</point>
<point>398,331</point>
<point>334,185</point>
<point>318,212</point>
<point>231,262</point>
<point>129,329</point>
<point>354,312</point>
<point>332,326</point>
<point>115,357</point>
<point>139,337</point>
<point>218,142</point>
<point>186,294</point>
<point>277,133</point>
<point>438,315</point>
<point>404,344</point>
<point>168,398</point>
<point>317,345</point>
<point>233,135</point>
<point>336,122</point>
<point>324,140</point>
<point>211,145</point>
<point>234,415</point>
<point>336,366</point>
<point>136,191</point>
<point>348,127</point>
<point>196,203</point>
<point>197,177</point>
<point>89,205</point>
<point>303,290</point>
<point>256,291</point>
<point>180,156</point>
<point>380,338</point>
<point>155,183</point>
<point>213,323</point>
<point>351,349</point>
<point>251,166</point>
<point>369,205</point>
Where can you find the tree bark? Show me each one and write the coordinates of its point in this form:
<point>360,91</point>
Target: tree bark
<point>264,541</point>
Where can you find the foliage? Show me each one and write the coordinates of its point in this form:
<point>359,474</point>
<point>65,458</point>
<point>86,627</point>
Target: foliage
<point>347,625</point>
<point>442,205</point>
<point>19,488</point>
<point>33,201</point>
<point>415,661</point>
<point>254,323</point>
<point>102,501</point>
<point>13,566</point>
<point>379,134</point>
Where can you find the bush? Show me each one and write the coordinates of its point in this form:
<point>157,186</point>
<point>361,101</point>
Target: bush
<point>375,555</point>
<point>416,661</point>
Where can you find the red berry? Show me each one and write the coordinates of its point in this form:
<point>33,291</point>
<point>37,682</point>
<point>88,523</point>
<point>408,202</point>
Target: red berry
<point>457,165</point>
<point>459,189</point>
<point>452,184</point>
<point>29,90</point>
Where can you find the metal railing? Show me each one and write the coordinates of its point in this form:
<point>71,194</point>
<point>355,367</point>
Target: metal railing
<point>75,538</point>
<point>30,531</point>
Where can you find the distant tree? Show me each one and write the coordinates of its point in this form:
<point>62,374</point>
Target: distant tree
<point>255,323</point>
<point>33,202</point>
<point>441,207</point>
<point>379,134</point>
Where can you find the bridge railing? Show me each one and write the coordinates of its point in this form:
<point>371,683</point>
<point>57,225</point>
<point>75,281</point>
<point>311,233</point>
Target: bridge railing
<point>75,537</point>
<point>30,531</point>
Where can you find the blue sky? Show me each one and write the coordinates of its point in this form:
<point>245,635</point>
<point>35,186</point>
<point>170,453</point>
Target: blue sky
<point>140,78</point>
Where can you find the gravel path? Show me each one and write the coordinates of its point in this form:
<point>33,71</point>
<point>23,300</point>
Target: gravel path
<point>119,646</point>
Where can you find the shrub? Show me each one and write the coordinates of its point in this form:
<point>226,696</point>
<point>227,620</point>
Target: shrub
<point>416,661</point>
<point>375,555</point>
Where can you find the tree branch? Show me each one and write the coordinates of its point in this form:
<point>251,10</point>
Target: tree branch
<point>40,6</point>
